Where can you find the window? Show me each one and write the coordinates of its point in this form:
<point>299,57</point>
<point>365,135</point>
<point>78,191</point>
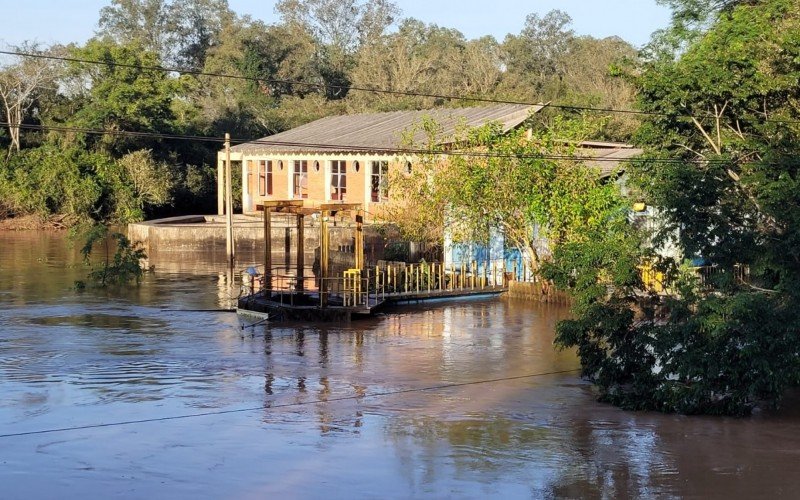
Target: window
<point>380,181</point>
<point>250,173</point>
<point>356,166</point>
<point>300,179</point>
<point>408,167</point>
<point>338,179</point>
<point>265,178</point>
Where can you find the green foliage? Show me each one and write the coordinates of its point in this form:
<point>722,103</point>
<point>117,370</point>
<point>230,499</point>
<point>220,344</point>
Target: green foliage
<point>135,183</point>
<point>122,97</point>
<point>538,201</point>
<point>50,180</point>
<point>80,185</point>
<point>727,116</point>
<point>121,268</point>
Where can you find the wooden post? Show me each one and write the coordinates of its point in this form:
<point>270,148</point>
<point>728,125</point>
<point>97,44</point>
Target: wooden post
<point>220,187</point>
<point>359,239</point>
<point>473,267</point>
<point>323,258</point>
<point>301,249</point>
<point>268,251</point>
<point>229,251</point>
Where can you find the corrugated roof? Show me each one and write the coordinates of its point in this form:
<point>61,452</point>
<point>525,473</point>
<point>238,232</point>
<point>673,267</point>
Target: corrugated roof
<point>609,155</point>
<point>382,131</point>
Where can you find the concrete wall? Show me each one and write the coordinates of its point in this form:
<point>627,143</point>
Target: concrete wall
<point>207,234</point>
<point>537,292</point>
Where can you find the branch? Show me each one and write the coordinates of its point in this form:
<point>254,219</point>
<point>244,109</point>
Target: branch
<point>716,147</point>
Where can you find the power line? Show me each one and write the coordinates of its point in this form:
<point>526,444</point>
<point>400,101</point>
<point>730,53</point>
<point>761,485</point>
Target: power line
<point>285,405</point>
<point>363,149</point>
<point>323,86</point>
<point>326,86</point>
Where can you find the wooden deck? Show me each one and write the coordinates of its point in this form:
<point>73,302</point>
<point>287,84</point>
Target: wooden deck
<point>363,293</point>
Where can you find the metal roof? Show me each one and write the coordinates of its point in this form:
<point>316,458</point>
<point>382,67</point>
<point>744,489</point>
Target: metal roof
<point>384,131</point>
<point>608,155</point>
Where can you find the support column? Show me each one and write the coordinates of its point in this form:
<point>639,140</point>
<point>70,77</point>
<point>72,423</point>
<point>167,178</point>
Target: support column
<point>301,249</point>
<point>220,187</point>
<point>268,251</point>
<point>229,202</point>
<point>323,258</point>
<point>359,240</point>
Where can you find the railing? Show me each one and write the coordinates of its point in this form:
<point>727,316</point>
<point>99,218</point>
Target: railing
<point>370,287</point>
<point>656,281</point>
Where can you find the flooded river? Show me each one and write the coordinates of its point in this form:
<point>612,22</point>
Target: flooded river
<point>149,392</point>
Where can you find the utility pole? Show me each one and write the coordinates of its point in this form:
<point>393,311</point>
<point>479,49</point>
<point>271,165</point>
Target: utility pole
<point>229,203</point>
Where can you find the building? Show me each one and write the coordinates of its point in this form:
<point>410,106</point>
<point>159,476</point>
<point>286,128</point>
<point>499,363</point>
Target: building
<point>348,158</point>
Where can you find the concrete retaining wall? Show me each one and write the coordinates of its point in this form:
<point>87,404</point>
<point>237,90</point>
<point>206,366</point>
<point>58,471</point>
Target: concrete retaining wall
<point>207,234</point>
<point>537,292</point>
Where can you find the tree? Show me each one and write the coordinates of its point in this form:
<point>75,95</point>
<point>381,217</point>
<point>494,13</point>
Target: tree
<point>691,19</point>
<point>426,59</point>
<point>20,85</point>
<point>510,183</point>
<point>125,265</point>
<point>123,97</point>
<point>179,31</point>
<point>263,54</point>
<point>724,115</point>
<point>142,22</point>
<point>339,27</point>
<point>135,184</point>
<point>534,58</point>
<point>591,77</point>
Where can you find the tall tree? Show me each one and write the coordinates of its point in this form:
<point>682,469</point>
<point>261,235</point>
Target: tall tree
<point>21,82</point>
<point>179,31</point>
<point>122,97</point>
<point>340,27</point>
<point>538,203</point>
<point>534,58</point>
<point>143,22</point>
<point>422,58</point>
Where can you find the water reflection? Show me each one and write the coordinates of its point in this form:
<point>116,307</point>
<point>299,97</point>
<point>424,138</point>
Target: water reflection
<point>385,406</point>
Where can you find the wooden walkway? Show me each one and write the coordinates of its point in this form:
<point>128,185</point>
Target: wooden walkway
<point>363,293</point>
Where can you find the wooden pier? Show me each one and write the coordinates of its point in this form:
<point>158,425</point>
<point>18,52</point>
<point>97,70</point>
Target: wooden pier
<point>365,292</point>
<point>361,290</point>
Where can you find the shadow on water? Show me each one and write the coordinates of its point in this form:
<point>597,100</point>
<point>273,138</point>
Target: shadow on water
<point>442,400</point>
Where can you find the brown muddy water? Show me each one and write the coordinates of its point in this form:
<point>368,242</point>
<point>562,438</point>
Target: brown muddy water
<point>446,400</point>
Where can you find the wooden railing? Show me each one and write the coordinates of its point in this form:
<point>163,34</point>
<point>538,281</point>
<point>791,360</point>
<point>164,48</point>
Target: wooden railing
<point>370,287</point>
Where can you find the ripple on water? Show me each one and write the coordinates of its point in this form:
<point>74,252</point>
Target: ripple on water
<point>104,322</point>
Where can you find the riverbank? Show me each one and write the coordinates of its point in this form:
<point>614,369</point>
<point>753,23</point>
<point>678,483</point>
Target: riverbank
<point>37,223</point>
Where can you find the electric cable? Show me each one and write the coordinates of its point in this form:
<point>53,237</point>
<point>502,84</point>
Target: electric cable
<point>354,148</point>
<point>326,86</point>
<point>284,405</point>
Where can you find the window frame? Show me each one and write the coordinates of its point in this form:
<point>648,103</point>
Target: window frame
<point>382,193</point>
<point>265,177</point>
<point>299,189</point>
<point>338,173</point>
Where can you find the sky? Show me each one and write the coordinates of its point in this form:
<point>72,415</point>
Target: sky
<point>65,21</point>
